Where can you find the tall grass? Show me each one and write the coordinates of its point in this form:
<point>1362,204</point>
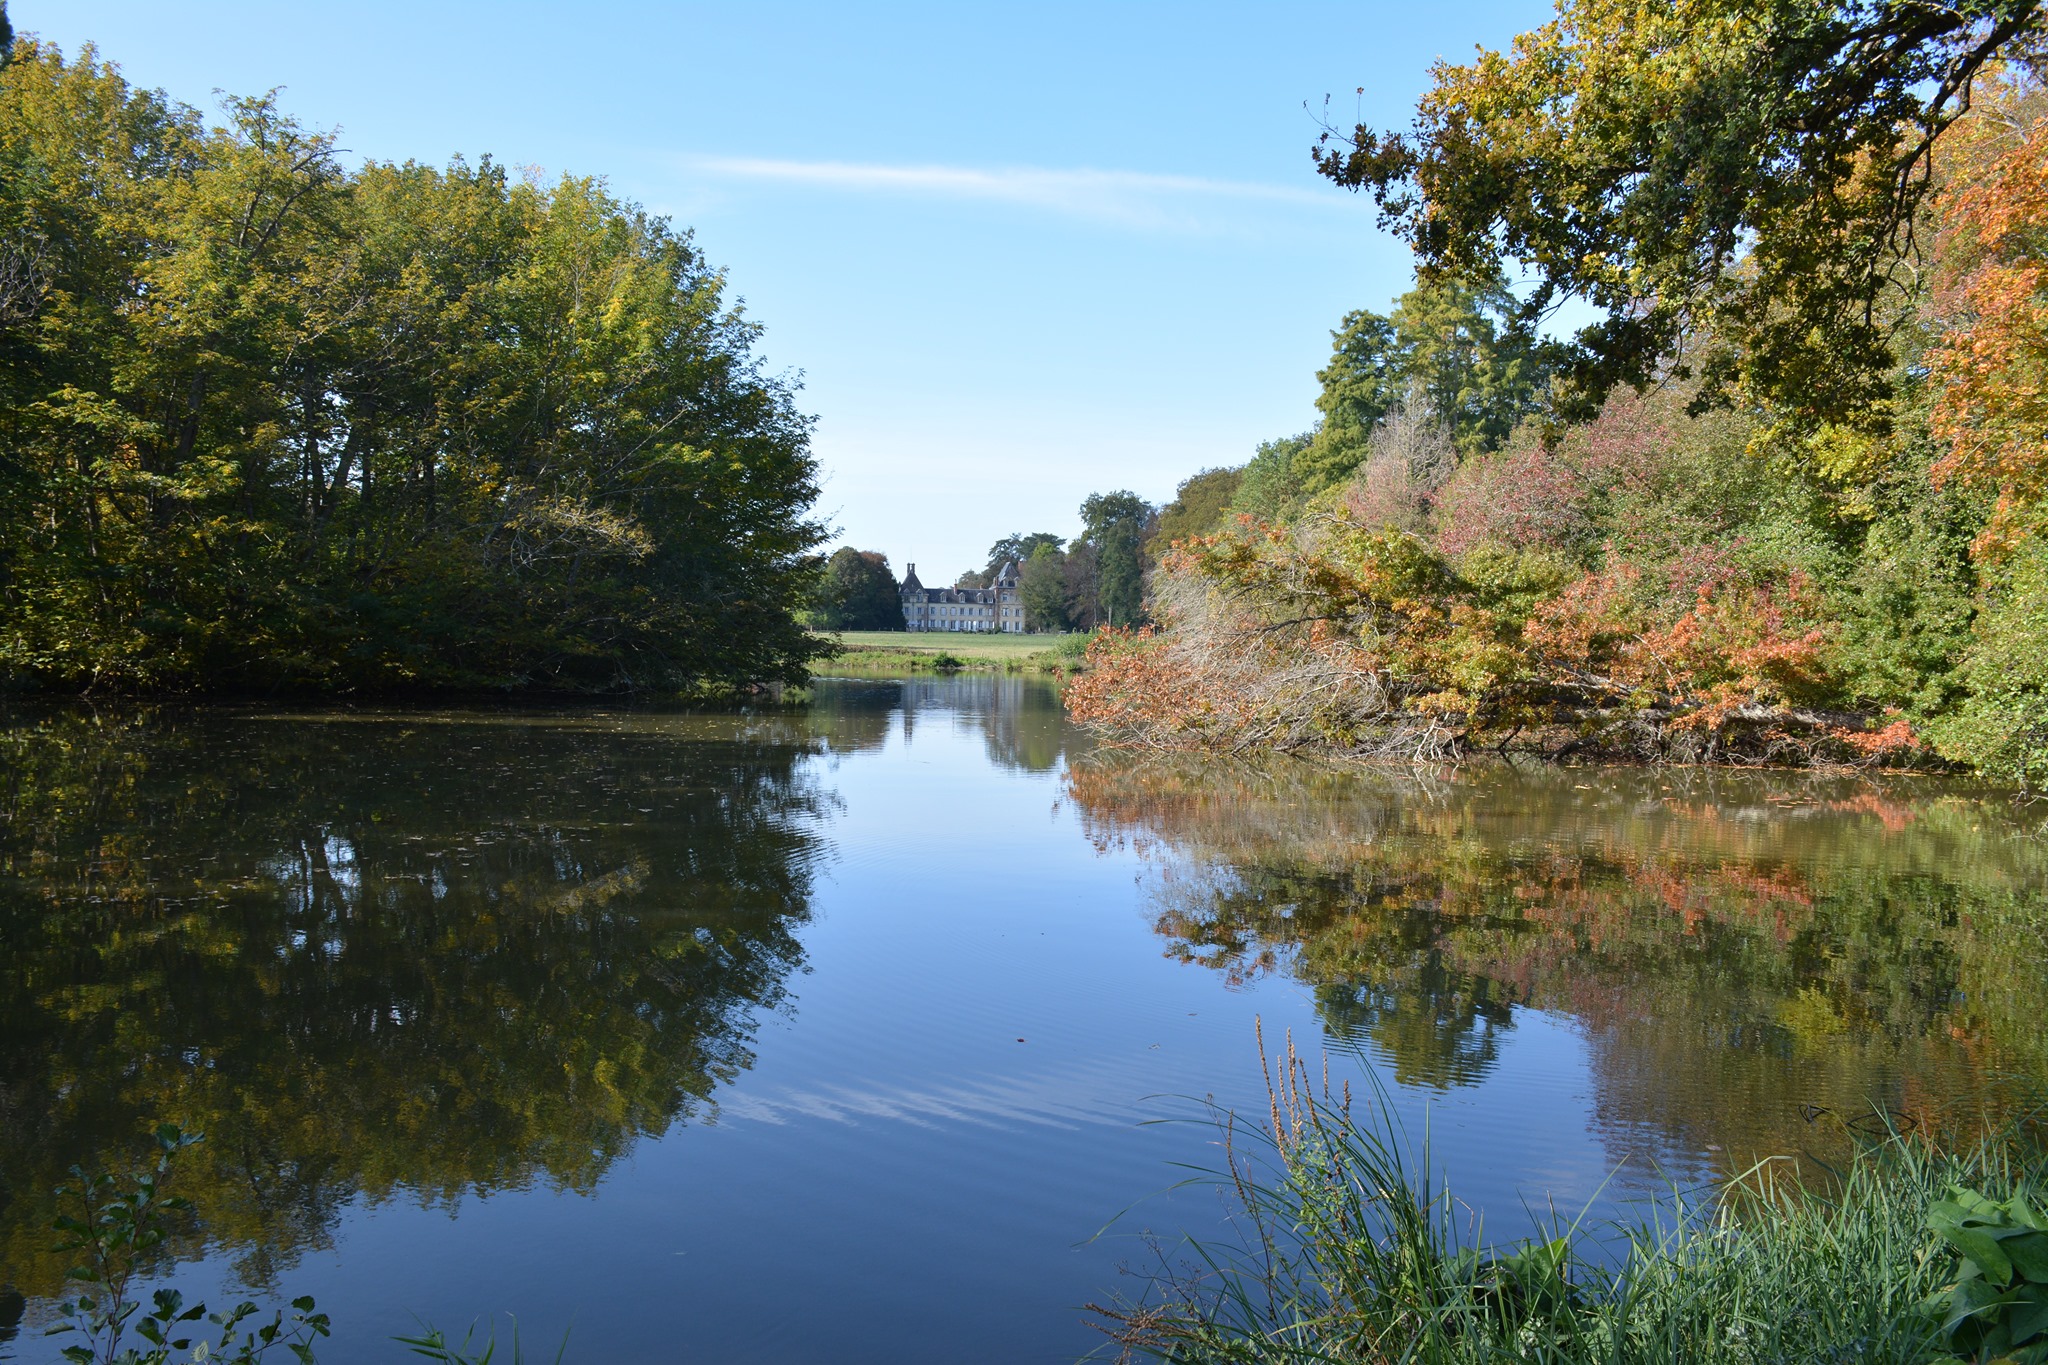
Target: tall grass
<point>1350,1251</point>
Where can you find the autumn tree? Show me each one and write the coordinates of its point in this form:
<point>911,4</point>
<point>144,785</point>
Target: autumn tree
<point>1729,183</point>
<point>1988,369</point>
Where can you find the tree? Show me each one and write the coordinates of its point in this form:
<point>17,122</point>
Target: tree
<point>1016,548</point>
<point>1081,570</point>
<point>1459,353</point>
<point>1468,357</point>
<point>858,592</point>
<point>1198,507</point>
<point>1042,585</point>
<point>1989,413</point>
<point>269,422</point>
<point>1729,183</point>
<point>1117,525</point>
<point>1271,488</point>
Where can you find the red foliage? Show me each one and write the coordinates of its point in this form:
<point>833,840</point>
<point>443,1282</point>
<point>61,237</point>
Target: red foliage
<point>1521,499</point>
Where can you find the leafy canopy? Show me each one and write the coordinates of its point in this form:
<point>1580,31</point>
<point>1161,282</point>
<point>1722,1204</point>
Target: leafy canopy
<point>267,421</point>
<point>1727,169</point>
<point>858,592</point>
<point>1199,506</point>
<point>1116,526</point>
<point>1017,548</point>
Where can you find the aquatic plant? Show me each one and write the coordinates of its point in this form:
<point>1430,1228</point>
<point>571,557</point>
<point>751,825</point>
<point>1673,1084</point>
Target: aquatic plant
<point>116,1230</point>
<point>433,1343</point>
<point>1351,1250</point>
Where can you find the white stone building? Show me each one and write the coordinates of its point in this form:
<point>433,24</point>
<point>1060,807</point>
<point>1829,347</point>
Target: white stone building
<point>999,607</point>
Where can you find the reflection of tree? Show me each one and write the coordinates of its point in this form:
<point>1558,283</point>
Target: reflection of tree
<point>1733,945</point>
<point>1380,973</point>
<point>420,954</point>
<point>1019,718</point>
<point>855,714</point>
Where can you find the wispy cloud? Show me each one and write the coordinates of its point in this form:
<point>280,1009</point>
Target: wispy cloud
<point>1132,198</point>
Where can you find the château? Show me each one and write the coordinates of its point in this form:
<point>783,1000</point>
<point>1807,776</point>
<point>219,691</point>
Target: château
<point>999,607</point>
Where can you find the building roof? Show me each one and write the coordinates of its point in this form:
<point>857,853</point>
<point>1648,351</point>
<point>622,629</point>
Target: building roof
<point>912,589</point>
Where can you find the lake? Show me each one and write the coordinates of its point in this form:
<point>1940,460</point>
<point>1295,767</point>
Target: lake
<point>840,1033</point>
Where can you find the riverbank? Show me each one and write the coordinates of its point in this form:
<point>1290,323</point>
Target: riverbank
<point>891,653</point>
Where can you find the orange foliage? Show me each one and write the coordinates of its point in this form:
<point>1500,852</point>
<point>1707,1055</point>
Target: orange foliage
<point>1991,368</point>
<point>1368,642</point>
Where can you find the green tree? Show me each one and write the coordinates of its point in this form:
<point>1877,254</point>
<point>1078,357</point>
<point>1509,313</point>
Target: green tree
<point>858,592</point>
<point>1042,584</point>
<point>268,422</point>
<point>1733,179</point>
<point>1460,352</point>
<point>1116,525</point>
<point>1199,506</point>
<point>1471,358</point>
<point>1271,488</point>
<point>1017,548</point>
<point>1081,569</point>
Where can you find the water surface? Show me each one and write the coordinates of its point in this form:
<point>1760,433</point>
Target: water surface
<point>833,1033</point>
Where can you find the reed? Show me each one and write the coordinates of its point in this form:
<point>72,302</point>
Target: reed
<point>1349,1250</point>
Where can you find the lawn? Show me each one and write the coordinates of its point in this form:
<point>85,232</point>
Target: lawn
<point>997,648</point>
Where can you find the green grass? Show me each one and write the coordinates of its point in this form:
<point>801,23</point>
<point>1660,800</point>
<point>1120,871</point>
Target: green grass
<point>961,646</point>
<point>895,652</point>
<point>1907,1251</point>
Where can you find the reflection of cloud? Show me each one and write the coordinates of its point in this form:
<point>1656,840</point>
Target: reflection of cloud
<point>1135,198</point>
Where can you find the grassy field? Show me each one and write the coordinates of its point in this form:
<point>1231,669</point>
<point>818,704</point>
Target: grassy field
<point>999,648</point>
<point>907,651</point>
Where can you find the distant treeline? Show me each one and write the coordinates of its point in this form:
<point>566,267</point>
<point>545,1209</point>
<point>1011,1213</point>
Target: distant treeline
<point>1096,579</point>
<point>266,421</point>
<point>1785,498</point>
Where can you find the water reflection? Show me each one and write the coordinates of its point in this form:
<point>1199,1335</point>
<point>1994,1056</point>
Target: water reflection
<point>367,954</point>
<point>1018,718</point>
<point>1731,947</point>
<point>413,958</point>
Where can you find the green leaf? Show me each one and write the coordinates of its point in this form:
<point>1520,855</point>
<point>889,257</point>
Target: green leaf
<point>2029,1317</point>
<point>2029,1255</point>
<point>1981,1248</point>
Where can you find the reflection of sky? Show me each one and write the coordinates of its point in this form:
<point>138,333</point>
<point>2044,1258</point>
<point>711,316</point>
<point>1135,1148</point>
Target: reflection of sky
<point>954,1099</point>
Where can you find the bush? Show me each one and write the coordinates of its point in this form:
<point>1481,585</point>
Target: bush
<point>2002,725</point>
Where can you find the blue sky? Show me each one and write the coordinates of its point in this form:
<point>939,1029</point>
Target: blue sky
<point>1020,253</point>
